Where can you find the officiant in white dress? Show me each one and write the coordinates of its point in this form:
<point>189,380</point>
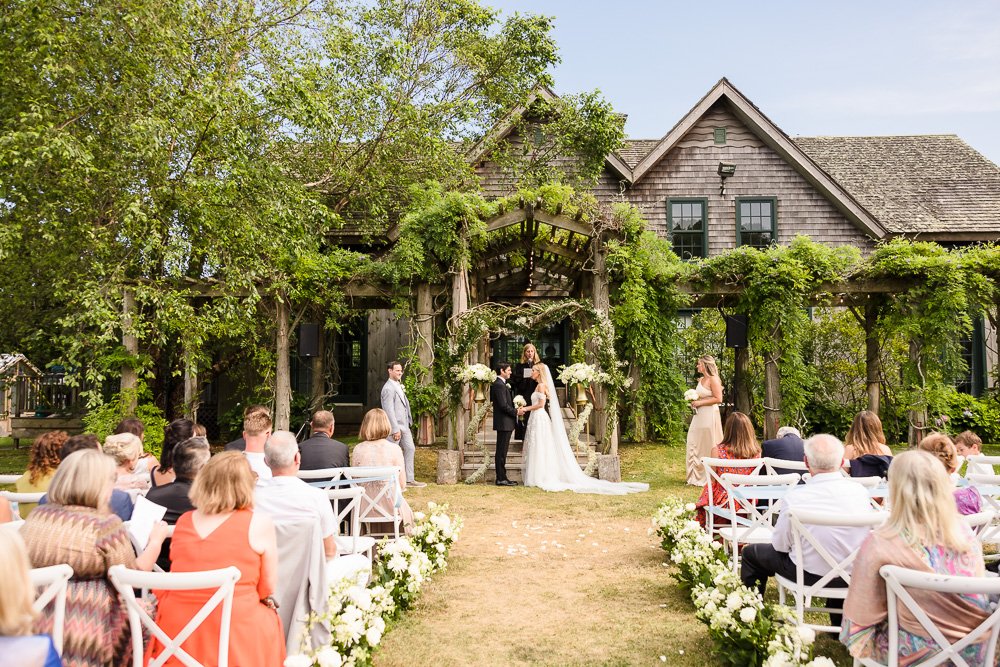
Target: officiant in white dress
<point>550,463</point>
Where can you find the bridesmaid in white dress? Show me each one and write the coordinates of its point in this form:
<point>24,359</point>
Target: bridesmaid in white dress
<point>705,431</point>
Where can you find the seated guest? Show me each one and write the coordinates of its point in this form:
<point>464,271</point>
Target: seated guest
<point>137,428</point>
<point>287,499</point>
<point>77,527</point>
<point>865,437</point>
<point>239,444</point>
<point>787,446</point>
<point>120,503</point>
<point>375,450</point>
<point>18,644</point>
<point>923,532</point>
<point>224,530</point>
<point>189,457</point>
<point>321,450</point>
<point>738,442</point>
<point>42,464</point>
<point>125,449</point>
<point>967,499</point>
<point>827,490</point>
<point>176,431</point>
<point>969,444</point>
<point>256,431</point>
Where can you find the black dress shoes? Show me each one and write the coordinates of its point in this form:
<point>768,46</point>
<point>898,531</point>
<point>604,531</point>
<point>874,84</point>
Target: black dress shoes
<point>505,482</point>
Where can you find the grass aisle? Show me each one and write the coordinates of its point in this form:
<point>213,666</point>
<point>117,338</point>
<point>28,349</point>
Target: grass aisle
<point>553,578</point>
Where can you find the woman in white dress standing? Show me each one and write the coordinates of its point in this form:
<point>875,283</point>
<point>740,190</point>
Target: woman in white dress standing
<point>549,462</point>
<point>705,431</point>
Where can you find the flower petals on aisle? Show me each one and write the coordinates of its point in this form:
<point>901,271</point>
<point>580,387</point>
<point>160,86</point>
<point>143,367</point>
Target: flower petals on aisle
<point>358,616</point>
<point>744,629</point>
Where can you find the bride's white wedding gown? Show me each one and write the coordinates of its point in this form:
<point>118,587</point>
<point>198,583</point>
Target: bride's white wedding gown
<point>549,462</point>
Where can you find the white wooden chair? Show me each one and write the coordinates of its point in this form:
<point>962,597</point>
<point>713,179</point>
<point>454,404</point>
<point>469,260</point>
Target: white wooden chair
<point>750,521</point>
<point>52,580</point>
<point>713,511</point>
<point>898,584</point>
<point>9,479</point>
<point>224,581</point>
<point>980,461</point>
<point>771,463</point>
<point>347,508</point>
<point>17,499</point>
<point>372,513</point>
<point>320,474</point>
<point>801,524</point>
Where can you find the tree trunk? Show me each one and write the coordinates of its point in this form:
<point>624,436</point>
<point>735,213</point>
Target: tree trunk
<point>190,387</point>
<point>317,389</point>
<point>283,372</point>
<point>130,378</point>
<point>873,368</point>
<point>917,418</point>
<point>636,410</point>
<point>425,353</point>
<point>741,392</point>
<point>772,388</point>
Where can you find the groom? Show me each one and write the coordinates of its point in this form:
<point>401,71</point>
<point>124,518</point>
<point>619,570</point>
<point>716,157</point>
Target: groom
<point>504,416</point>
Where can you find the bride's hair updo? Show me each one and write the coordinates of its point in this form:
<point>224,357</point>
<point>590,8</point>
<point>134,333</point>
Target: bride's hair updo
<point>708,361</point>
<point>540,367</point>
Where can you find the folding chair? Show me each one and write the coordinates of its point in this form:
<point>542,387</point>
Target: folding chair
<point>224,581</point>
<point>713,511</point>
<point>381,486</point>
<point>350,512</point>
<point>801,523</point>
<point>54,580</point>
<point>897,582</point>
<point>750,522</point>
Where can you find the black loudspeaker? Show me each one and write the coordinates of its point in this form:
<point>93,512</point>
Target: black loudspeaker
<point>308,340</point>
<point>736,330</point>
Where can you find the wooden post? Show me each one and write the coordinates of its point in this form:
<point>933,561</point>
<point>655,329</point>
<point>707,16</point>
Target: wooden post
<point>741,392</point>
<point>283,372</point>
<point>602,303</point>
<point>873,362</point>
<point>637,411</point>
<point>460,304</point>
<point>425,352</point>
<point>317,388</point>
<point>772,387</point>
<point>130,378</point>
<point>917,419</point>
<point>190,386</point>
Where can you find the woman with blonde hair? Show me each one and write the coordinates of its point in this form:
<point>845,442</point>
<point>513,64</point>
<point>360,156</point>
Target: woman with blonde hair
<point>939,445</point>
<point>42,464</point>
<point>705,431</point>
<point>524,383</point>
<point>125,449</point>
<point>375,450</point>
<point>77,527</point>
<point>739,441</point>
<point>924,533</point>
<point>224,530</point>
<point>18,644</point>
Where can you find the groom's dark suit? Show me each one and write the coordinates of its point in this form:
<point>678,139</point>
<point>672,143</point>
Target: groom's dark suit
<point>504,416</point>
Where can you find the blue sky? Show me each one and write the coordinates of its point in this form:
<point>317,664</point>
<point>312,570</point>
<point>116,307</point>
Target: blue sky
<point>838,67</point>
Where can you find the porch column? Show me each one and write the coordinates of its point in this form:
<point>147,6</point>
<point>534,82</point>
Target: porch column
<point>130,378</point>
<point>772,387</point>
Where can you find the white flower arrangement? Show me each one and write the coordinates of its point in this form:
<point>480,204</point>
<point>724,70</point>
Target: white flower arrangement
<point>691,395</point>
<point>584,374</point>
<point>742,626</point>
<point>519,401</point>
<point>480,373</point>
<point>435,534</point>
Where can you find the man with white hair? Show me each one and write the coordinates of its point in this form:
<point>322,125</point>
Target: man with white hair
<point>828,490</point>
<point>787,445</point>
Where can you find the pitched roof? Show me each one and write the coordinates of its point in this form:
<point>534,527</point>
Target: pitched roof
<point>9,360</point>
<point>635,149</point>
<point>773,136</point>
<point>925,184</point>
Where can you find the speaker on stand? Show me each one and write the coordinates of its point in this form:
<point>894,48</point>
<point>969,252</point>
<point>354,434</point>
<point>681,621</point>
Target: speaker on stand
<point>308,340</point>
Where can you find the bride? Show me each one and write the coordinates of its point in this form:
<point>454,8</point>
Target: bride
<point>549,462</point>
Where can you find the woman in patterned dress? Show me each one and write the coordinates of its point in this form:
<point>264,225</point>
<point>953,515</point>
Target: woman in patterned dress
<point>738,442</point>
<point>77,527</point>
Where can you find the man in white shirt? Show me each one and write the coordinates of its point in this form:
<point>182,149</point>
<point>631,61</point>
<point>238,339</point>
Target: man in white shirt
<point>256,430</point>
<point>826,491</point>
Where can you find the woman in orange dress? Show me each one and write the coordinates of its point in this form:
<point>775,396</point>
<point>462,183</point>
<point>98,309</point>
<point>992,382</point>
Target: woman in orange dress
<point>738,442</point>
<point>224,531</point>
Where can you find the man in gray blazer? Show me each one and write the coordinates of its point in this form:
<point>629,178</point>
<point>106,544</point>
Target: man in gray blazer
<point>400,420</point>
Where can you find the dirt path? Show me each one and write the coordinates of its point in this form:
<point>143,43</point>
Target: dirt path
<point>545,578</point>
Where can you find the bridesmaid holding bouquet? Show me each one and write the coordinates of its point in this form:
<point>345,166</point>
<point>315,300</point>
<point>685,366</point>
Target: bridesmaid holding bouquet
<point>705,431</point>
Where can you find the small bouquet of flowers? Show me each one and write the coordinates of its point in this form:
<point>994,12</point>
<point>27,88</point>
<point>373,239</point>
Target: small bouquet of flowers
<point>519,401</point>
<point>691,395</point>
<point>584,374</point>
<point>478,373</point>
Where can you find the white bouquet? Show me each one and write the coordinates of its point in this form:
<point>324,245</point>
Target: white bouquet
<point>519,401</point>
<point>691,395</point>
<point>479,373</point>
<point>584,374</point>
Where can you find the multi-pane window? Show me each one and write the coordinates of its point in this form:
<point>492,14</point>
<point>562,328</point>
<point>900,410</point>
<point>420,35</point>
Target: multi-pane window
<point>755,223</point>
<point>688,224</point>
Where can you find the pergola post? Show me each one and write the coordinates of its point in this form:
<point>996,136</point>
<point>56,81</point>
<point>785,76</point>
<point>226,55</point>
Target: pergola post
<point>190,386</point>
<point>873,362</point>
<point>772,386</point>
<point>425,352</point>
<point>283,374</point>
<point>130,377</point>
<point>741,368</point>
<point>602,303</point>
<point>917,419</point>
<point>460,304</point>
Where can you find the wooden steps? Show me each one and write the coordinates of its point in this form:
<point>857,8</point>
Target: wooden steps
<point>473,458</point>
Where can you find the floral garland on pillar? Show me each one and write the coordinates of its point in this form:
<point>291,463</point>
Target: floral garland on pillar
<point>482,376</point>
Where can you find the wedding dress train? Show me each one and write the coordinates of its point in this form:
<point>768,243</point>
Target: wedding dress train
<point>549,463</point>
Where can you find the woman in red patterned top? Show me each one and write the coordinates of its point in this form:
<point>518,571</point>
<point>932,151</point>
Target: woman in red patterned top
<point>738,442</point>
